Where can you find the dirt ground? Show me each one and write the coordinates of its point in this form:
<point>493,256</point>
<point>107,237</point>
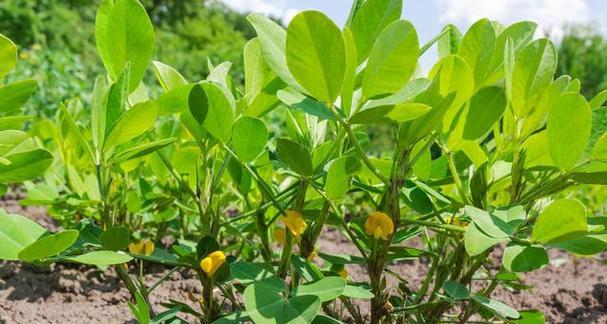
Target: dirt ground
<point>567,291</point>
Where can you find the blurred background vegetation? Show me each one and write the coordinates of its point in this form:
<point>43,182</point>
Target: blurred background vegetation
<point>57,45</point>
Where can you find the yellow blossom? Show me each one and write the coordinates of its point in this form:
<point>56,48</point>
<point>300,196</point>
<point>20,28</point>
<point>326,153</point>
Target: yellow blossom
<point>145,247</point>
<point>212,262</point>
<point>312,256</point>
<point>379,225</point>
<point>295,223</point>
<point>343,273</point>
<point>148,247</point>
<point>456,222</point>
<point>280,236</point>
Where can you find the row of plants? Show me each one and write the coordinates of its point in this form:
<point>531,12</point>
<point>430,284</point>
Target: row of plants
<point>486,150</point>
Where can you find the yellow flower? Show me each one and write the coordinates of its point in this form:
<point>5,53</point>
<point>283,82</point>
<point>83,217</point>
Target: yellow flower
<point>379,225</point>
<point>280,236</point>
<point>295,223</point>
<point>212,262</point>
<point>145,247</point>
<point>312,256</point>
<point>148,247</point>
<point>343,273</point>
<point>456,222</point>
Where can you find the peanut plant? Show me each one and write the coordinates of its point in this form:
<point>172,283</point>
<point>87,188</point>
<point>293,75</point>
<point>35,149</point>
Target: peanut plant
<point>238,184</point>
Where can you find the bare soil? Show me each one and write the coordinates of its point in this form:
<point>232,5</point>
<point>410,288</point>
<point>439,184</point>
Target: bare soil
<point>570,290</point>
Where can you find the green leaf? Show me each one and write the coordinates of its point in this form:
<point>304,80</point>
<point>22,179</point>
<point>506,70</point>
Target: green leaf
<point>358,292</point>
<point>349,84</point>
<point>584,245</point>
<point>220,117</point>
<point>486,108</point>
<point>273,39</point>
<point>167,76</point>
<point>48,246</point>
<point>160,256</point>
<point>392,60</point>
<point>561,219</point>
<point>324,319</point>
<point>16,233</point>
<point>477,48</point>
<point>306,269</point>
<point>265,305</point>
<point>14,95</point>
<point>390,114</point>
<point>132,123</point>
<point>533,71</point>
<point>198,103</point>
<point>316,55</point>
<point>325,289</point>
<point>487,223</point>
<point>298,101</point>
<point>101,258</point>
<point>339,175</point>
<point>456,290</point>
<point>8,55</point>
<point>496,306</point>
<point>477,242</point>
<point>115,238</point>
<point>450,41</point>
<point>530,317</point>
<point>140,150</point>
<point>569,126</point>
<point>248,273</point>
<point>522,258</point>
<point>249,136</point>
<point>599,152</point>
<point>369,20</point>
<point>25,165</point>
<point>295,156</point>
<point>520,33</point>
<point>124,33</point>
<point>599,100</point>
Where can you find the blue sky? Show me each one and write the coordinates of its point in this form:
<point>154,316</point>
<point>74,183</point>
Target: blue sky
<point>429,16</point>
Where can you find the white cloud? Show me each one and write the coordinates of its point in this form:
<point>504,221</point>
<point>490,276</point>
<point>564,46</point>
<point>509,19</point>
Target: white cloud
<point>274,8</point>
<point>551,15</point>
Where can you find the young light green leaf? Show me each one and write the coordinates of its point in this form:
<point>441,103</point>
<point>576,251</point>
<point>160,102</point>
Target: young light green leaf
<point>131,124</point>
<point>477,48</point>
<point>249,136</point>
<point>564,218</point>
<point>316,55</point>
<point>339,176</point>
<point>477,242</point>
<point>220,117</point>
<point>124,33</point>
<point>347,89</point>
<point>167,76</point>
<point>15,94</point>
<point>101,258</point>
<point>391,114</point>
<point>486,107</point>
<point>450,41</point>
<point>599,152</point>
<point>533,71</point>
<point>8,55</point>
<point>569,126</point>
<point>16,233</point>
<point>523,258</point>
<point>48,246</point>
<point>25,165</point>
<point>392,60</point>
<point>273,39</point>
<point>369,20</point>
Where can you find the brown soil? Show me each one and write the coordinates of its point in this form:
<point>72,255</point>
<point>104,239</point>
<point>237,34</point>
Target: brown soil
<point>567,291</point>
